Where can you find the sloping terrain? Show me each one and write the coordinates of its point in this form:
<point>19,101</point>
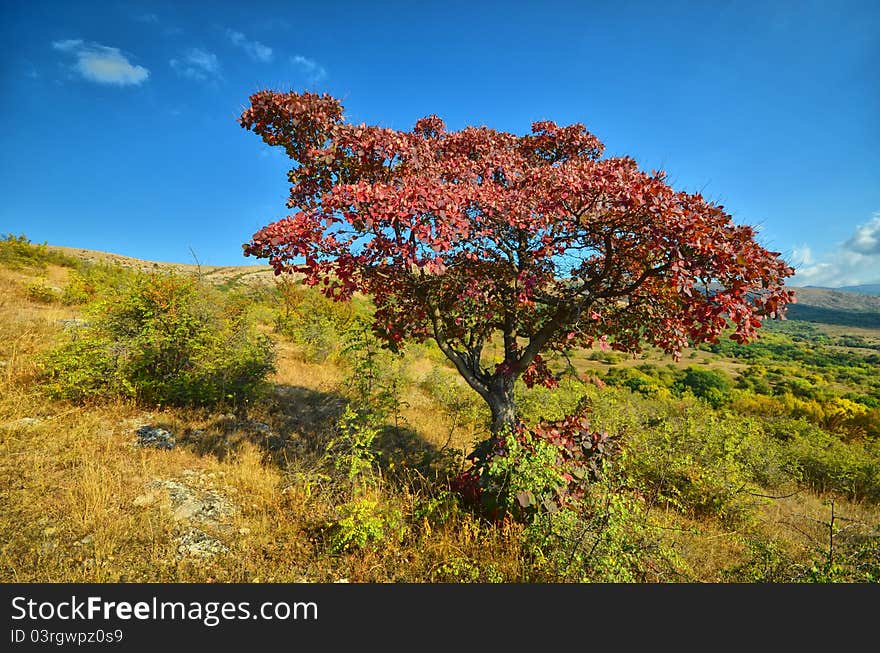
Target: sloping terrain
<point>738,462</point>
<point>836,307</point>
<point>259,274</point>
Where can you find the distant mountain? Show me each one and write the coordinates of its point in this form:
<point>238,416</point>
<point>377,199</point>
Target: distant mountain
<point>836,306</point>
<point>864,289</point>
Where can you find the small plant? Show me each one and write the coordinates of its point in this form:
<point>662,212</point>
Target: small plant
<point>351,451</point>
<point>361,523</point>
<point>374,382</point>
<point>460,569</point>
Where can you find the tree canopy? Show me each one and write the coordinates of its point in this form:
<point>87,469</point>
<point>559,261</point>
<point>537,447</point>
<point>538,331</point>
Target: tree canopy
<point>537,240</point>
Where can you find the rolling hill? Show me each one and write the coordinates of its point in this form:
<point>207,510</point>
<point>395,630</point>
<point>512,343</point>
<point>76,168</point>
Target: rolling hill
<point>835,306</point>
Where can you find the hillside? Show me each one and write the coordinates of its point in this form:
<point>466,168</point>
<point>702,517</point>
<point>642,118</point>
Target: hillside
<point>841,307</point>
<point>260,274</point>
<point>864,289</point>
<point>118,463</point>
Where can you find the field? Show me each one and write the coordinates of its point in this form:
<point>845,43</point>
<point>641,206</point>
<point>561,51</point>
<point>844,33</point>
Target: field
<point>736,463</point>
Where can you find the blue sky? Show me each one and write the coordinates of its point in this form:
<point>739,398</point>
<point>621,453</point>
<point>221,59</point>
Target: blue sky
<point>119,127</point>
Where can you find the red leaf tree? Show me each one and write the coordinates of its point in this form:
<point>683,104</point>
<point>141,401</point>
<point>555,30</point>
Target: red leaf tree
<point>536,240</point>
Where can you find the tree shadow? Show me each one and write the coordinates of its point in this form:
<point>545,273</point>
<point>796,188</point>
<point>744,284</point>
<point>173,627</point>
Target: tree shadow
<point>297,423</point>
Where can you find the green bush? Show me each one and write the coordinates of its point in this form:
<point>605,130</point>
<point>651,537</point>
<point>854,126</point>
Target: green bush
<point>549,404</point>
<point>530,470</point>
<point>312,321</point>
<point>826,464</point>
<point>522,478</point>
<point>19,252</point>
<point>38,291</point>
<point>375,374</point>
<point>162,339</point>
<point>91,282</point>
<point>605,537</point>
<point>702,462</point>
<point>713,386</point>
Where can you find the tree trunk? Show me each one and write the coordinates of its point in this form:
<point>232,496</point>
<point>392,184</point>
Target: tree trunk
<point>503,409</point>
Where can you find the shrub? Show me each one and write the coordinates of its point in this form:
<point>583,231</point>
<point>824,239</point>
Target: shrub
<point>713,386</point>
<point>312,321</point>
<point>91,282</point>
<point>826,464</point>
<point>541,404</point>
<point>38,291</point>
<point>647,380</point>
<point>702,462</point>
<point>163,339</point>
<point>531,470</point>
<point>604,537</point>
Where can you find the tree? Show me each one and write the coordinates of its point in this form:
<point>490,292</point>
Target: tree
<point>462,236</point>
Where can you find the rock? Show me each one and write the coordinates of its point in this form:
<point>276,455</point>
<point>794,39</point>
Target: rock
<point>198,544</point>
<point>156,437</point>
<point>24,422</point>
<point>88,540</point>
<point>145,499</point>
<point>189,504</point>
<point>73,323</point>
<point>244,531</point>
<point>188,510</point>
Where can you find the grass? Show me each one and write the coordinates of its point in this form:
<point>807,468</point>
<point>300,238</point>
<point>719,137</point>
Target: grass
<point>82,503</point>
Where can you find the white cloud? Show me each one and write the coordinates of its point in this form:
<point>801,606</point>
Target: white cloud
<point>801,255</point>
<point>102,64</point>
<point>197,64</point>
<point>855,262</point>
<point>255,50</point>
<point>866,239</point>
<point>313,70</point>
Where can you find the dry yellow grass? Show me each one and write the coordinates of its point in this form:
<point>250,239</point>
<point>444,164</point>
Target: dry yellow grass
<point>81,503</point>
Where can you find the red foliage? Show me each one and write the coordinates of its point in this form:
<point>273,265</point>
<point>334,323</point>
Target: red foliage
<point>459,235</point>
